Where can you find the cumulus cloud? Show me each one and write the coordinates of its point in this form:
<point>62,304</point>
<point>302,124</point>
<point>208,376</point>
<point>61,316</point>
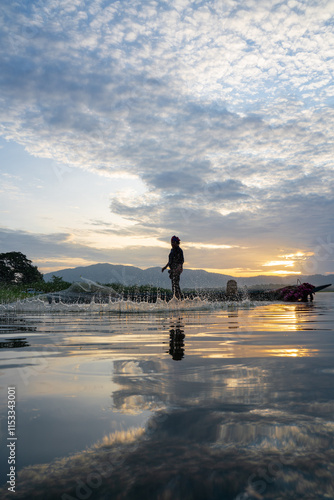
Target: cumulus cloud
<point>220,108</point>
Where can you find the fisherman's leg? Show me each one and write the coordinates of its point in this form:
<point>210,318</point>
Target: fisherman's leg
<point>172,279</point>
<point>174,284</point>
<point>177,289</point>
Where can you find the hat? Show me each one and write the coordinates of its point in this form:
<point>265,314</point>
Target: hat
<point>175,239</point>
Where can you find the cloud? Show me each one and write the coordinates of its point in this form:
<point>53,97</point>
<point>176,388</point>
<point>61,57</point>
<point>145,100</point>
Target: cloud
<point>54,251</point>
<point>221,109</point>
<point>201,437</point>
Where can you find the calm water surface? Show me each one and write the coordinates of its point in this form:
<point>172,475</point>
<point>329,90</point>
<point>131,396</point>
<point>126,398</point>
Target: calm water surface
<point>226,402</point>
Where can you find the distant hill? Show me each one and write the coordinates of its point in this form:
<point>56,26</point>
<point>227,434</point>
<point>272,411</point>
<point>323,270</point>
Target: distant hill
<point>194,279</point>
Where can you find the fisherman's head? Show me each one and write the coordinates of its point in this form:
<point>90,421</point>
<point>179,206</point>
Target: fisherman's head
<point>175,241</point>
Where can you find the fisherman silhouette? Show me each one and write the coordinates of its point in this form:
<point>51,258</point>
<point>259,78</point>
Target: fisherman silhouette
<point>12,343</point>
<point>175,264</point>
<point>176,342</point>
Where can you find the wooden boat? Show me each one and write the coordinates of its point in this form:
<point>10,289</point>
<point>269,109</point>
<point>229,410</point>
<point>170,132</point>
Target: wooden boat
<point>300,292</point>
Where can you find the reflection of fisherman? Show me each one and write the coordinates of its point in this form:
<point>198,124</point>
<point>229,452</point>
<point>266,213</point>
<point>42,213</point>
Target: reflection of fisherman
<point>176,342</point>
<point>175,264</point>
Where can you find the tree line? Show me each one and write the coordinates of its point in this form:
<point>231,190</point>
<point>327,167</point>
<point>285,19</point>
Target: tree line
<point>16,270</point>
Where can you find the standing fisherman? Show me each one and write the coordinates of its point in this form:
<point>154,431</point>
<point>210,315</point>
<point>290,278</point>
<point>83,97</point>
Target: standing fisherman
<point>175,264</point>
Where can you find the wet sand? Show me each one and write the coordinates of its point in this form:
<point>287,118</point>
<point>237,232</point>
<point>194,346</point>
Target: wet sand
<point>207,401</point>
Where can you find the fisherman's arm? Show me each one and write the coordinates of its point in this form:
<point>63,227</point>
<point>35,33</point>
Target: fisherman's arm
<point>165,267</point>
<point>168,263</point>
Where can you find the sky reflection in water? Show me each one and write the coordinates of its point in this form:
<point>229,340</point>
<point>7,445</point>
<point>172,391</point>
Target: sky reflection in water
<point>234,403</point>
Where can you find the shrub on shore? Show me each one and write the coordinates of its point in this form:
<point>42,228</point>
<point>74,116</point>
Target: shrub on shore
<point>20,291</point>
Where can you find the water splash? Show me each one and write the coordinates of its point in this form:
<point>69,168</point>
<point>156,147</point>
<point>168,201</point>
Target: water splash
<point>41,305</point>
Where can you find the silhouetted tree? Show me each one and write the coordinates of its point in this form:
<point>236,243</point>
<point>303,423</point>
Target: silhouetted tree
<point>15,268</point>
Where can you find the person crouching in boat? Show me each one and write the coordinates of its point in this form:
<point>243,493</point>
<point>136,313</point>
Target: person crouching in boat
<point>175,264</point>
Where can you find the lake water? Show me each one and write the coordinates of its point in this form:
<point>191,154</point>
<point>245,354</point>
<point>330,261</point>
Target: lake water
<point>169,402</point>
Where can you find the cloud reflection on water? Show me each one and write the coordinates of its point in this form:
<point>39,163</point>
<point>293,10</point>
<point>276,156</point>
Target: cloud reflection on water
<point>255,422</point>
<point>198,453</point>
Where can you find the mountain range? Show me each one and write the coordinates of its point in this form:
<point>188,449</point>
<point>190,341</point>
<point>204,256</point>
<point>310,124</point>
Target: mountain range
<point>193,279</point>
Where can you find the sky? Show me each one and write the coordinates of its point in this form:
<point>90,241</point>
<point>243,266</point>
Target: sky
<point>123,123</point>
